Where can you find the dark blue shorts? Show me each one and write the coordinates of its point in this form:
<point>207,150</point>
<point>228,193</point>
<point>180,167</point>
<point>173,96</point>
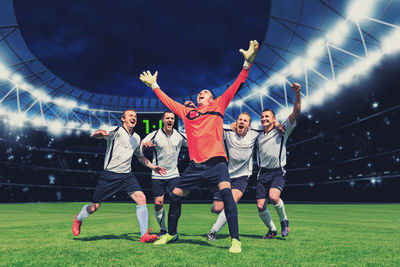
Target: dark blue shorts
<point>269,178</point>
<point>239,183</point>
<point>110,183</point>
<point>204,176</point>
<point>163,186</point>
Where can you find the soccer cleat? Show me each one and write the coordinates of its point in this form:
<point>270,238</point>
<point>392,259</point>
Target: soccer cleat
<point>236,246</point>
<point>148,238</point>
<point>167,238</point>
<point>161,233</point>
<point>285,228</point>
<point>270,234</point>
<point>76,226</point>
<point>211,236</point>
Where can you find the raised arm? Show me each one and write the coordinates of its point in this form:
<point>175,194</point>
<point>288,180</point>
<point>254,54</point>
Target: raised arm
<point>249,56</point>
<point>151,81</point>
<point>297,103</point>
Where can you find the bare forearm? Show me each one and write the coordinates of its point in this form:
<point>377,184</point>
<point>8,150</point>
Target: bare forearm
<point>296,108</point>
<point>145,162</point>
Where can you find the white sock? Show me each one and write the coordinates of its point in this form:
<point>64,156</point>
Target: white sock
<point>265,216</point>
<point>221,221</point>
<point>83,214</point>
<point>160,217</point>
<point>280,209</point>
<point>143,218</point>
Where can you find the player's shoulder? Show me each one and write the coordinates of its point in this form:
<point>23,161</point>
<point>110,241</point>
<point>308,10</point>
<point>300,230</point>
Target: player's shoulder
<point>136,136</point>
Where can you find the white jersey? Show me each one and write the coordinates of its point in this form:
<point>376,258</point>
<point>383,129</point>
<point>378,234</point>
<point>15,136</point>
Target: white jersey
<point>120,148</point>
<point>240,152</point>
<point>272,147</point>
<point>166,151</point>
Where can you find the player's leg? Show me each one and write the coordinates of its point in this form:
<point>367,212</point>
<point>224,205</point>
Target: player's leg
<point>263,213</point>
<point>274,195</point>
<point>107,185</point>
<point>159,189</point>
<point>221,220</point>
<point>277,185</point>
<point>84,213</point>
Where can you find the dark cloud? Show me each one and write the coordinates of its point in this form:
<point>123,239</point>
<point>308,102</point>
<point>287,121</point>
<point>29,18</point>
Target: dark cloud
<point>103,46</point>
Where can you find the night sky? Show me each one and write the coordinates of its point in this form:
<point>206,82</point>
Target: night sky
<point>103,46</point>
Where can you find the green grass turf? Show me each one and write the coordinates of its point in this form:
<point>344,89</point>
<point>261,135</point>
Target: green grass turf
<point>321,235</point>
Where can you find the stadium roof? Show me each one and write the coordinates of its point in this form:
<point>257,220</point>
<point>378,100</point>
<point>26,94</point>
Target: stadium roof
<point>323,45</point>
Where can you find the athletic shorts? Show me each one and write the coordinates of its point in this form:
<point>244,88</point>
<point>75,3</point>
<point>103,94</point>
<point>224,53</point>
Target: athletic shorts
<point>163,186</point>
<point>206,175</point>
<point>110,183</point>
<point>269,178</point>
<point>239,183</point>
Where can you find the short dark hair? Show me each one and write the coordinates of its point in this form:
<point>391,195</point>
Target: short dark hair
<point>267,109</point>
<point>129,109</point>
<point>165,112</point>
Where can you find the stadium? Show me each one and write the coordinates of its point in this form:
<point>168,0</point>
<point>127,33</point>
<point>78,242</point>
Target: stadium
<point>68,70</point>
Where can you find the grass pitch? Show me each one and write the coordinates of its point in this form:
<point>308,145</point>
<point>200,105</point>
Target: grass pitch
<point>321,235</point>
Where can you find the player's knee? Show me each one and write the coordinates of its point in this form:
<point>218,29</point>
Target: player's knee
<point>93,207</point>
<point>140,198</point>
<point>274,199</point>
<point>177,192</point>
<point>261,207</point>
<point>217,207</point>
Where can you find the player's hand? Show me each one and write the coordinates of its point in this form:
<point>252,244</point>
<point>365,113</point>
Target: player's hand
<point>100,134</point>
<point>250,54</point>
<point>233,126</point>
<point>189,104</point>
<point>280,127</point>
<point>160,170</point>
<point>147,78</point>
<point>296,87</point>
<point>148,144</point>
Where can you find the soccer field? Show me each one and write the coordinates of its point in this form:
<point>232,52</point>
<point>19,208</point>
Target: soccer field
<point>321,234</point>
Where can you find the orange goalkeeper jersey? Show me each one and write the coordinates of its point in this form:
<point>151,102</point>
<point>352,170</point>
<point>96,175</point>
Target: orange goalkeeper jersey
<point>204,125</point>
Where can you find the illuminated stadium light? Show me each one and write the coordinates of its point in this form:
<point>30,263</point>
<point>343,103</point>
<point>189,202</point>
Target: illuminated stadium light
<point>38,122</point>
<point>316,49</point>
<point>359,9</point>
<point>391,44</point>
<point>86,127</point>
<point>16,78</point>
<point>317,98</point>
<point>331,87</point>
<point>4,72</point>
<point>338,35</point>
<point>373,180</point>
<point>55,127</point>
<point>71,104</point>
<point>296,68</point>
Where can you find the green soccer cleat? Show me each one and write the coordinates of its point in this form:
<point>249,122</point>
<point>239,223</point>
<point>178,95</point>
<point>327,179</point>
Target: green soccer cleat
<point>167,238</point>
<point>236,246</point>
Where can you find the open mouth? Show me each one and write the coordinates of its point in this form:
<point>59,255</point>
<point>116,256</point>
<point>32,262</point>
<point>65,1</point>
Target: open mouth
<point>241,127</point>
<point>169,123</point>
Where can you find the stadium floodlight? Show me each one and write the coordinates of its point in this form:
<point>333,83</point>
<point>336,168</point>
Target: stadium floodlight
<point>42,96</point>
<point>339,33</point>
<point>391,44</point>
<point>239,103</point>
<point>4,73</point>
<point>55,127</point>
<point>359,9</point>
<point>59,102</point>
<point>296,68</point>
<point>331,87</point>
<point>72,125</point>
<point>17,119</point>
<point>86,127</point>
<point>283,113</point>
<point>316,49</point>
<point>38,122</point>
<point>71,104</point>
<point>16,78</point>
<point>317,98</point>
<point>279,78</point>
<point>310,63</point>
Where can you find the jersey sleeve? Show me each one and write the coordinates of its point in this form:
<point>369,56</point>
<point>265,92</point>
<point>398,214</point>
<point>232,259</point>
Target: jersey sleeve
<point>228,95</point>
<point>174,106</point>
<point>112,132</point>
<point>288,127</point>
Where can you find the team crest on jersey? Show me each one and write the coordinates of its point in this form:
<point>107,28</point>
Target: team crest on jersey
<point>193,114</point>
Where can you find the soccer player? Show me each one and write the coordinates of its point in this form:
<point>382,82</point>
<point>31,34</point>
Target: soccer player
<point>272,160</point>
<point>208,163</point>
<point>122,143</point>
<point>166,144</point>
<point>239,144</point>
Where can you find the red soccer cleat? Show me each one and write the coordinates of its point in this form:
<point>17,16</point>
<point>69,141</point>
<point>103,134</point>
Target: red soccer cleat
<point>148,238</point>
<point>76,227</point>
